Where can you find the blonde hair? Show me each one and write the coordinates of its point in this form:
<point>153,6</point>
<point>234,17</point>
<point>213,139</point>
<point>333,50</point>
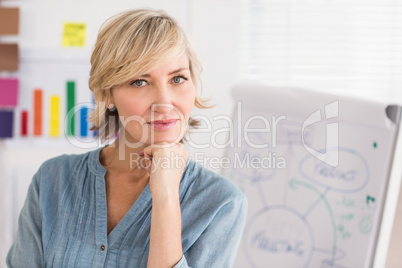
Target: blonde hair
<point>130,44</point>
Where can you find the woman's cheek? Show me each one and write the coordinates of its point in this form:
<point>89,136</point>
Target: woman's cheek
<point>189,98</point>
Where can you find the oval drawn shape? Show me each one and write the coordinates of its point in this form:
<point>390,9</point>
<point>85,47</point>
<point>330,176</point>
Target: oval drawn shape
<point>351,175</point>
<point>278,235</point>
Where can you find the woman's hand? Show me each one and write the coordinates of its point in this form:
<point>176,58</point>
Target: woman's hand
<point>166,163</point>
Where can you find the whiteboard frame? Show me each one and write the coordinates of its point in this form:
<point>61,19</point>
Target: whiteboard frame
<point>388,210</point>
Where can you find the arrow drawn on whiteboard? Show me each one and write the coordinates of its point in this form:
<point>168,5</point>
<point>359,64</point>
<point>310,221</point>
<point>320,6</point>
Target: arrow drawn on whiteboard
<point>316,202</point>
<point>327,263</point>
<point>340,254</point>
<point>261,194</point>
<point>290,153</point>
<point>294,184</point>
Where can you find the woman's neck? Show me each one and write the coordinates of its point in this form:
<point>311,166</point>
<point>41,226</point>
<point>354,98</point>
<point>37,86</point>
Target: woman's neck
<point>122,161</point>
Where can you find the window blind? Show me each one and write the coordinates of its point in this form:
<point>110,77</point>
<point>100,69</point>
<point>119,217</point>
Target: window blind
<point>351,47</point>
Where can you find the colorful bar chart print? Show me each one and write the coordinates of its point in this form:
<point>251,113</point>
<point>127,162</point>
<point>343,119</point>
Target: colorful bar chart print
<point>6,121</point>
<point>54,123</point>
<point>70,127</point>
<point>38,106</point>
<point>49,110</point>
<point>8,92</point>
<point>83,121</point>
<point>24,123</point>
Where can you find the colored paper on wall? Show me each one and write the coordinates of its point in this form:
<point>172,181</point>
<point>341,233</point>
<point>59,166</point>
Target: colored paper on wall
<point>8,92</point>
<point>9,57</point>
<point>74,34</point>
<point>70,108</point>
<point>9,18</point>
<point>37,112</point>
<point>83,122</point>
<point>24,123</point>
<point>6,123</point>
<point>54,126</point>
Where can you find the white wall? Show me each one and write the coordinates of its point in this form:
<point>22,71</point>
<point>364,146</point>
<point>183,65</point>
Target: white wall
<point>214,30</point>
<point>41,21</point>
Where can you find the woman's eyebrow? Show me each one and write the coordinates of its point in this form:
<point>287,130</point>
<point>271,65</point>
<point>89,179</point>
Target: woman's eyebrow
<point>178,70</point>
<point>175,71</point>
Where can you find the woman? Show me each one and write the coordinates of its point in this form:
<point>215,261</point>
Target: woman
<point>140,201</point>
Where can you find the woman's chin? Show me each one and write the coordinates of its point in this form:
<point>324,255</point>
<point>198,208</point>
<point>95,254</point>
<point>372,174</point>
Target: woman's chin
<point>164,139</point>
<point>165,136</point>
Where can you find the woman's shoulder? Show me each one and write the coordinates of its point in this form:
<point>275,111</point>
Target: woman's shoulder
<point>64,162</point>
<point>210,184</point>
<point>62,167</point>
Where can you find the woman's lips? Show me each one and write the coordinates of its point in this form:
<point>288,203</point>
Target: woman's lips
<point>163,121</point>
<point>163,124</point>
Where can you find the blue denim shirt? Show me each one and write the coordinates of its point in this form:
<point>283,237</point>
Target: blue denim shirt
<point>63,222</point>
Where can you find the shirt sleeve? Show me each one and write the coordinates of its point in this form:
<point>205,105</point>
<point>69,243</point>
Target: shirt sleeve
<point>27,250</point>
<point>218,244</point>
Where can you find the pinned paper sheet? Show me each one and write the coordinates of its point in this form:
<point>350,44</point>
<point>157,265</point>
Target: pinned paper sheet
<point>54,116</point>
<point>6,122</point>
<point>37,105</point>
<point>74,34</point>
<point>83,121</point>
<point>8,92</point>
<point>70,108</point>
<point>24,123</point>
<point>8,57</point>
<point>9,20</point>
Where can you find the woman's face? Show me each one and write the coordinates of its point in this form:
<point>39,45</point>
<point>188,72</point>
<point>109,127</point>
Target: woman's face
<point>165,93</point>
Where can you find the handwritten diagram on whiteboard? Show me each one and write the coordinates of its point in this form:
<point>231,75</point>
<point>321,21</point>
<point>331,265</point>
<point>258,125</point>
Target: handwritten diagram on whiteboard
<point>303,211</point>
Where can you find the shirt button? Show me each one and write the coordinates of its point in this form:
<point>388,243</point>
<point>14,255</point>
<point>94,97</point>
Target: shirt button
<point>102,247</point>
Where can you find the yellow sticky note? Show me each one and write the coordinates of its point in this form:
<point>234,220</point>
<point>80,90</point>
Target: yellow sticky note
<point>74,34</point>
<point>54,126</point>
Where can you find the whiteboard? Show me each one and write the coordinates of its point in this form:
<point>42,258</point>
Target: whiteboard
<point>315,169</point>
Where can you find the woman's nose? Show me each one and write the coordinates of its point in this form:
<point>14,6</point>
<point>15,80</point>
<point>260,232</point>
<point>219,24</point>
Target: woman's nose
<point>162,108</point>
<point>162,100</point>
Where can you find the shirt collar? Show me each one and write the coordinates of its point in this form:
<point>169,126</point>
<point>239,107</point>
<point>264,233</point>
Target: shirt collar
<point>94,164</point>
<point>190,169</point>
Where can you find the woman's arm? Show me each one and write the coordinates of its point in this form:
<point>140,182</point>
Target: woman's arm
<point>27,250</point>
<point>165,249</point>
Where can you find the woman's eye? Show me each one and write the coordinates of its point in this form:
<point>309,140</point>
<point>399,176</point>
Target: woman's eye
<point>139,83</point>
<point>178,79</point>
